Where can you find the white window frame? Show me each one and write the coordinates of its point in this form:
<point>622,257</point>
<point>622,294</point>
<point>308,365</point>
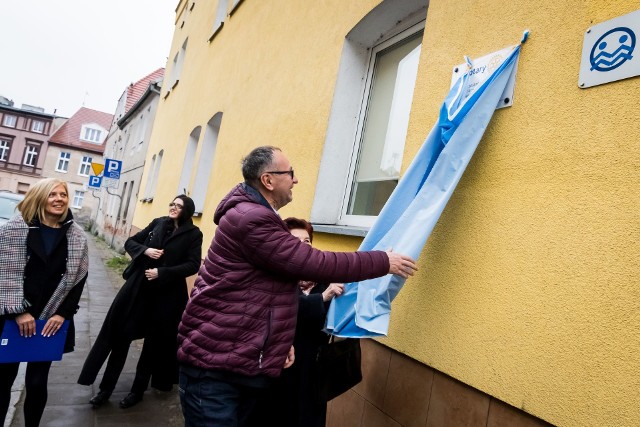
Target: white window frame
<point>10,123</point>
<point>92,134</point>
<point>37,126</point>
<point>368,220</point>
<point>5,149</point>
<point>78,199</point>
<point>31,153</point>
<point>62,165</point>
<point>391,19</point>
<point>85,166</point>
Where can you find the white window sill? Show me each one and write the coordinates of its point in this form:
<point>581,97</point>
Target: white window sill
<point>345,230</point>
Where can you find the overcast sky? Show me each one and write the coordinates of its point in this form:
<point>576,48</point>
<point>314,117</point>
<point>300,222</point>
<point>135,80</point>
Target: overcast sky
<point>63,54</point>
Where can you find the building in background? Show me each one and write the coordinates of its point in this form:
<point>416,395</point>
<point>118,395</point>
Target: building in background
<point>24,136</point>
<point>127,141</point>
<point>72,148</point>
<point>525,308</point>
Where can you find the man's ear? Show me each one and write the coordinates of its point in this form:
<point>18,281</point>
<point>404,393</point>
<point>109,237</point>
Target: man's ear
<point>265,180</point>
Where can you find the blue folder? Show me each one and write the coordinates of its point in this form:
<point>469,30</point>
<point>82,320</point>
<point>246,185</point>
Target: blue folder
<point>37,348</point>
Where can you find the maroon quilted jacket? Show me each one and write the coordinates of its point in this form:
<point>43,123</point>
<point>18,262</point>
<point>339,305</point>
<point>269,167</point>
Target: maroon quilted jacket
<point>241,316</point>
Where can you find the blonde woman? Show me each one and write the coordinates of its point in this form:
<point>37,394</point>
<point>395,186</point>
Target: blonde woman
<point>43,268</point>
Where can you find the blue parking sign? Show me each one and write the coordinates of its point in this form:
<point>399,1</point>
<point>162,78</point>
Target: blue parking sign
<point>95,181</point>
<point>112,168</point>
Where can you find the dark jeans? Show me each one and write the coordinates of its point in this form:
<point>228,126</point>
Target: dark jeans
<point>208,401</point>
<point>35,400</point>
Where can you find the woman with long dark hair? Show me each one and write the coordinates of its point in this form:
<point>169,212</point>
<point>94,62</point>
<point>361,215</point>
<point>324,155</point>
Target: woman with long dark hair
<point>43,268</point>
<point>149,306</point>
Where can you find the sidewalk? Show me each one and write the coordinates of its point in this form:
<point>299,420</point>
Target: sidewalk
<point>68,403</point>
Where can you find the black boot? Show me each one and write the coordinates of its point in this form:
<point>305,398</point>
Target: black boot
<point>130,400</point>
<point>100,398</point>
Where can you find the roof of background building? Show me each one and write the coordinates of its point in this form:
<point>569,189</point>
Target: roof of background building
<point>7,104</point>
<point>69,133</point>
<point>137,89</point>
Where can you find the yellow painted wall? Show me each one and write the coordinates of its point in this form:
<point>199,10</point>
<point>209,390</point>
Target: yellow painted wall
<point>528,287</point>
<point>529,282</point>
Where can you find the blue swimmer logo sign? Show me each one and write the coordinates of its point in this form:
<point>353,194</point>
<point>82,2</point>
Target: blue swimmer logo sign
<point>612,49</point>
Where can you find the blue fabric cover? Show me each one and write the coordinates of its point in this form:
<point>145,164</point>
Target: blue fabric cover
<point>408,217</point>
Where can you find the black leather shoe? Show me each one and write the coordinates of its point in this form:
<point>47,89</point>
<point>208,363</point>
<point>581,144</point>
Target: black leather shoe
<point>100,398</point>
<point>130,400</point>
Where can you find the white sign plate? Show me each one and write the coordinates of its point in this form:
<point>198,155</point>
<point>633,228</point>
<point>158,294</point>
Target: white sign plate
<point>110,182</point>
<point>610,52</point>
<point>483,67</point>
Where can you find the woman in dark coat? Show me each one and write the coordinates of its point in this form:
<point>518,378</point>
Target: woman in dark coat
<point>294,400</point>
<point>43,269</point>
<point>149,306</point>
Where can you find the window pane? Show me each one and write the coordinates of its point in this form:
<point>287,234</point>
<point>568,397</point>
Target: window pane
<point>371,196</point>
<point>63,162</point>
<point>37,126</point>
<point>374,182</point>
<point>78,198</point>
<point>4,150</point>
<point>30,156</point>
<point>9,121</point>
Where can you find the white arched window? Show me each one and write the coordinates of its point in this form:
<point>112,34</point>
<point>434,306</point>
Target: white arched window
<point>221,14</point>
<point>189,159</point>
<point>205,163</point>
<point>156,173</point>
<point>152,179</point>
<point>176,65</point>
<point>151,170</point>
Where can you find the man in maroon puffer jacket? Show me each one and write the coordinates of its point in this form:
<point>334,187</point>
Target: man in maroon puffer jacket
<point>237,330</point>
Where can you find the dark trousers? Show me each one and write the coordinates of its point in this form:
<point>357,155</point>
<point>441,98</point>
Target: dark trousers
<point>210,401</point>
<point>36,379</point>
<point>115,364</point>
<point>117,360</point>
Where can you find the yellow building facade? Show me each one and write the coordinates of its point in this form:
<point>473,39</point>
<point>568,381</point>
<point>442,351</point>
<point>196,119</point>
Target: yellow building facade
<point>527,293</point>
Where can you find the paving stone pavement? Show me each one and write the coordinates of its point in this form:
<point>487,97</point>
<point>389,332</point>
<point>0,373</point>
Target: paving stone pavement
<point>68,402</point>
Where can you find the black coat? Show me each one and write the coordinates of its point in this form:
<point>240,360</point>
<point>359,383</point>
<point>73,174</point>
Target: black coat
<point>141,306</point>
<point>294,401</point>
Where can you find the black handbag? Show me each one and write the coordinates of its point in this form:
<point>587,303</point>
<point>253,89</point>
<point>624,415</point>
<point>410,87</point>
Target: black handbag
<point>134,262</point>
<point>339,364</point>
<point>129,270</point>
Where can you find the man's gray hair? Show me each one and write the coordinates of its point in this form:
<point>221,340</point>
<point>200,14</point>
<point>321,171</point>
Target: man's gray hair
<point>256,162</point>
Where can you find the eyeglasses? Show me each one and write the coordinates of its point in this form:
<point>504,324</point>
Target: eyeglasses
<point>290,172</point>
<point>175,205</point>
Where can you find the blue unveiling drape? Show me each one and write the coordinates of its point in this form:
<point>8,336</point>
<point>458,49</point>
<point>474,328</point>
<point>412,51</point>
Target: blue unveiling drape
<point>408,217</point>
